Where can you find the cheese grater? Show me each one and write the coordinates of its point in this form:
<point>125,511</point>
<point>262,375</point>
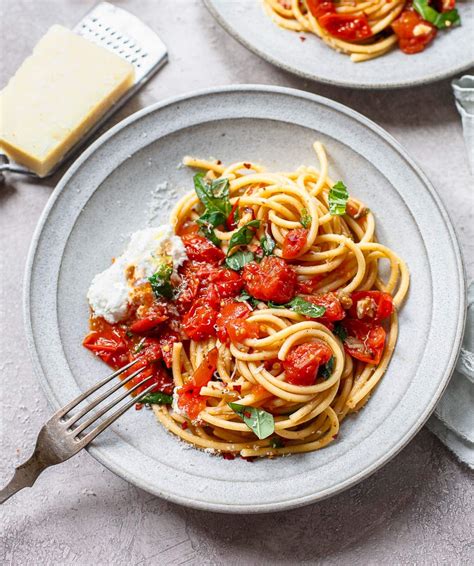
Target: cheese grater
<point>125,35</point>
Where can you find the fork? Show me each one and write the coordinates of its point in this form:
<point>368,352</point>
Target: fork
<point>62,436</point>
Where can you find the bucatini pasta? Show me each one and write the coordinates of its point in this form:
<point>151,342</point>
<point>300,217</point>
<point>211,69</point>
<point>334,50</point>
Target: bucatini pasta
<point>260,312</point>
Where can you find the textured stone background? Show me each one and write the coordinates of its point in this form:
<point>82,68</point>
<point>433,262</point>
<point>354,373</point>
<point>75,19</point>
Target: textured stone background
<point>417,510</point>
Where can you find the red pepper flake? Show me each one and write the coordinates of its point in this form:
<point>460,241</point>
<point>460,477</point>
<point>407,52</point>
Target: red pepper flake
<point>228,456</point>
<point>237,388</point>
<point>219,162</point>
<point>138,406</point>
<point>247,415</point>
<point>335,436</point>
<point>249,458</point>
<point>247,165</point>
<point>184,425</point>
<point>302,38</point>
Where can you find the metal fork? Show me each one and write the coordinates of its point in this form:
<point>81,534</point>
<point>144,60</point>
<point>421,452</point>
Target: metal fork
<point>62,436</point>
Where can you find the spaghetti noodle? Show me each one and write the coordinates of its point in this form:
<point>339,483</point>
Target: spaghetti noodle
<point>365,29</point>
<point>277,326</point>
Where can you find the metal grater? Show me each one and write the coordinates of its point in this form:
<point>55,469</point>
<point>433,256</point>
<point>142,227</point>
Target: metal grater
<point>125,35</point>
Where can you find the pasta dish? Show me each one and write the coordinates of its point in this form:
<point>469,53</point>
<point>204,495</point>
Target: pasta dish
<point>265,312</point>
<point>365,29</point>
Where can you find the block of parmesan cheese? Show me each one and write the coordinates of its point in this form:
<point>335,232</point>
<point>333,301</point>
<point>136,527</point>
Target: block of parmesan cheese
<point>56,95</point>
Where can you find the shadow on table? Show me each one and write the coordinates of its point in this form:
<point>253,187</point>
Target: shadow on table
<point>411,488</point>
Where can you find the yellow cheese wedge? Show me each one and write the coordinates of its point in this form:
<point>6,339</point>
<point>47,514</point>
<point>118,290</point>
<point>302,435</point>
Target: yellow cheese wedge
<point>58,93</point>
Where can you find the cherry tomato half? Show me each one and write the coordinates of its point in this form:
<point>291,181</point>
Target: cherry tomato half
<point>270,280</point>
<point>364,341</point>
<point>199,321</point>
<point>347,28</point>
<point>294,242</point>
<point>231,323</point>
<point>199,248</point>
<point>302,362</point>
<point>371,305</point>
<point>413,32</point>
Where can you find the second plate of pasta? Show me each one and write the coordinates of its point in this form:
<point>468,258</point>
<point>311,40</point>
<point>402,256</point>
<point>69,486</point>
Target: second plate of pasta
<point>361,44</point>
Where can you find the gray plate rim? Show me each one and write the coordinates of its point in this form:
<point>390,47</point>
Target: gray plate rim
<point>99,453</point>
<point>450,72</point>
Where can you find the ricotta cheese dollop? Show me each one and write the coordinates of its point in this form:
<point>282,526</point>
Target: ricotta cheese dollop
<point>110,291</point>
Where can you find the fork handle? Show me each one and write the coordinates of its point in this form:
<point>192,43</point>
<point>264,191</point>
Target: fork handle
<point>25,476</point>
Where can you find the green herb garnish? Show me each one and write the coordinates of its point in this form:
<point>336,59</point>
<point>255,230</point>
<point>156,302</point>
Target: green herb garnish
<point>302,306</point>
<point>157,398</point>
<point>305,219</point>
<point>237,260</point>
<point>268,244</point>
<point>259,421</point>
<point>243,235</point>
<point>338,197</point>
<point>326,370</point>
<point>214,196</point>
<point>160,281</point>
<point>440,20</point>
<point>340,331</point>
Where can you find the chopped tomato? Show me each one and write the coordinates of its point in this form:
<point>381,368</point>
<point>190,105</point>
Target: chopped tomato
<point>159,377</point>
<point>303,361</point>
<point>270,280</point>
<point>109,342</point>
<point>294,242</point>
<point>331,303</point>
<point>199,248</point>
<point>231,323</point>
<point>227,282</point>
<point>308,286</point>
<point>199,321</point>
<point>189,398</point>
<point>413,32</point>
<point>145,325</point>
<point>364,341</point>
<point>147,350</point>
<point>320,7</point>
<point>371,305</point>
<point>345,27</point>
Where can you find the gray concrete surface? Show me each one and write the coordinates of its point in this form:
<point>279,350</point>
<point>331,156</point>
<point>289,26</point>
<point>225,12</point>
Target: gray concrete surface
<point>417,510</point>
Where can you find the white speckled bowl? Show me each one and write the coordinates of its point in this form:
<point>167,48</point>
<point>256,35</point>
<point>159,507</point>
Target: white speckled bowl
<point>451,53</point>
<point>105,195</point>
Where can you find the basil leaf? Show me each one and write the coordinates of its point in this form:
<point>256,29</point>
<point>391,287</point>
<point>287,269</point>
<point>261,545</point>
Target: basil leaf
<point>340,331</point>
<point>302,306</point>
<point>243,235</point>
<point>157,398</point>
<point>211,218</point>
<point>214,195</point>
<point>277,442</point>
<point>259,421</point>
<point>338,197</point>
<point>305,219</point>
<point>238,260</point>
<point>268,244</point>
<point>326,370</point>
<point>440,20</point>
<point>160,281</point>
<point>209,233</point>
